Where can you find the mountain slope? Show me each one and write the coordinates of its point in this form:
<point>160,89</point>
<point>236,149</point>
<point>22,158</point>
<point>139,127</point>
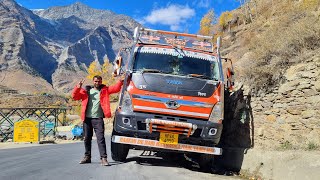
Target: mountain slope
<point>57,44</point>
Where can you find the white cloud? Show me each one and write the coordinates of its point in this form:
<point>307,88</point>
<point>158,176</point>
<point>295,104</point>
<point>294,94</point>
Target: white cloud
<point>173,16</point>
<point>204,4</point>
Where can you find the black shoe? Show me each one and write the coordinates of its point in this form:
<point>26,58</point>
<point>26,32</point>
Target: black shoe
<point>86,159</point>
<point>104,162</point>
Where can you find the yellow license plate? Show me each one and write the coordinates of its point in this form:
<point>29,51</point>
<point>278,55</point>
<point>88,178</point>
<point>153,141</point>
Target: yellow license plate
<point>168,138</point>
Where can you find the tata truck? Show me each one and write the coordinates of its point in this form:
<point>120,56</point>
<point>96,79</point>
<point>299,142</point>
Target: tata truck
<point>172,98</point>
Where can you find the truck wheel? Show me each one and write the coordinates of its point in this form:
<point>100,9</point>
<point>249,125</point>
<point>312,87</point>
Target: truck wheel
<point>206,162</point>
<point>119,151</point>
<point>231,159</point>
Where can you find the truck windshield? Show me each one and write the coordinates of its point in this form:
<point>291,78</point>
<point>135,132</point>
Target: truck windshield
<point>182,64</point>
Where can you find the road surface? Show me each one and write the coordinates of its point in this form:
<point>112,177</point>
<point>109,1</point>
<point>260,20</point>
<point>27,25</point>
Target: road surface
<point>60,162</point>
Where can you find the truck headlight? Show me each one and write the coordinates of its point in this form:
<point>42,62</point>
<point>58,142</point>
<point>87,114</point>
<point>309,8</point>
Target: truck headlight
<point>217,113</point>
<point>126,105</point>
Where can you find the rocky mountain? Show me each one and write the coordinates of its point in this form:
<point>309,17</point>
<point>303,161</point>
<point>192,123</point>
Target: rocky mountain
<point>49,50</point>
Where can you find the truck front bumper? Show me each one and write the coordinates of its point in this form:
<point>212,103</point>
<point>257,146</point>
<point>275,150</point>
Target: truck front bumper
<point>156,144</point>
<point>135,125</point>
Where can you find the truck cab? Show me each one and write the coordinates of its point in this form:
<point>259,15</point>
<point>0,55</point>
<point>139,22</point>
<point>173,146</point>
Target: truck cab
<point>173,95</point>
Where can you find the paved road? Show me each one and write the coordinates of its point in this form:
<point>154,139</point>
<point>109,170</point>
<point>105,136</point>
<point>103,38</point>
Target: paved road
<point>60,162</point>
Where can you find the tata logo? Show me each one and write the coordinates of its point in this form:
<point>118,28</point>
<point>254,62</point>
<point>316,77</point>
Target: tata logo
<point>174,82</point>
<point>172,104</point>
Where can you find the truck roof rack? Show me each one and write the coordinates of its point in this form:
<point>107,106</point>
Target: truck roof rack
<point>193,41</point>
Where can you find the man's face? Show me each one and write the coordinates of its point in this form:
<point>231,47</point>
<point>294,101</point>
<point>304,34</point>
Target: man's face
<point>97,82</point>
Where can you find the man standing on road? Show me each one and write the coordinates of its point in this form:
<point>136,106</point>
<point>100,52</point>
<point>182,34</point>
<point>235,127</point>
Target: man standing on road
<point>95,106</point>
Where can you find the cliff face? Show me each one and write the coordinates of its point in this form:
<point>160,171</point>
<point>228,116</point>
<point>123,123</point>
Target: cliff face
<point>54,47</point>
<point>276,59</point>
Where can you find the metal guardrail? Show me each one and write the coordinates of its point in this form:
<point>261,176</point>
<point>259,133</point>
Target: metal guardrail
<point>8,116</point>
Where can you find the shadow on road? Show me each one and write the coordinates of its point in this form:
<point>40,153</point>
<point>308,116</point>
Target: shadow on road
<point>176,160</point>
<point>165,159</point>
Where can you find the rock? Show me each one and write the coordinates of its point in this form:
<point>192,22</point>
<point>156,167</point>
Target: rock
<point>280,121</point>
<point>307,74</point>
<point>268,112</point>
<point>291,73</point>
<point>313,99</point>
<point>271,118</point>
<point>267,104</point>
<point>258,108</point>
<point>291,118</point>
<point>317,85</point>
<point>304,86</point>
<point>308,114</point>
<point>294,111</point>
<point>289,86</point>
<point>301,100</point>
<point>260,132</point>
<point>309,92</point>
<point>296,92</point>
<point>280,105</point>
<point>314,136</point>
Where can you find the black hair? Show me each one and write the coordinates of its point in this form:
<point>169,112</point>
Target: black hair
<point>97,76</point>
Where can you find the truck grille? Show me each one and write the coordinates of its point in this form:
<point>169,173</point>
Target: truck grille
<point>167,126</point>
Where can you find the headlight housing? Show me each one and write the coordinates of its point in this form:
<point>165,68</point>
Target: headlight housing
<point>126,105</point>
<point>217,113</point>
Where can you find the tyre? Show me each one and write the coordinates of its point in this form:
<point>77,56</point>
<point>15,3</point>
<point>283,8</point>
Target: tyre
<point>119,151</point>
<point>206,162</point>
<point>231,159</point>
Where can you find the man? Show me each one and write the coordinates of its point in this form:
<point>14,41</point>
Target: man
<point>95,106</point>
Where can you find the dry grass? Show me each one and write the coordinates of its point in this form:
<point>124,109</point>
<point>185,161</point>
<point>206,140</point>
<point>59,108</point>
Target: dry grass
<point>278,36</point>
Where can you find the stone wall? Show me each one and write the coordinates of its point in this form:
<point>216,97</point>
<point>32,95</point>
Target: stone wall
<point>289,117</point>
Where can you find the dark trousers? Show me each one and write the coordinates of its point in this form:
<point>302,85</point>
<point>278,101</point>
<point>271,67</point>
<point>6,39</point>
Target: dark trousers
<point>97,125</point>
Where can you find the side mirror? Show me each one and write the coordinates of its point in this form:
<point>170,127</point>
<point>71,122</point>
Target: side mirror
<point>117,66</point>
<point>230,79</point>
<point>230,75</point>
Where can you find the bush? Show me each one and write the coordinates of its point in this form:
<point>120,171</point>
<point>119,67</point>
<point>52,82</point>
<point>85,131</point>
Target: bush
<point>312,146</point>
<point>286,145</point>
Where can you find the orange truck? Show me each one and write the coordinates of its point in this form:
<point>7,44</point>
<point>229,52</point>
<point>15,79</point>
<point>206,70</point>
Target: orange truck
<point>172,99</point>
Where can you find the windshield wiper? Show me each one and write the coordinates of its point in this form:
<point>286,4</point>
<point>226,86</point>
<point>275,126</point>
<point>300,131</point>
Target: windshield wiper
<point>153,71</point>
<point>150,71</point>
<point>198,76</point>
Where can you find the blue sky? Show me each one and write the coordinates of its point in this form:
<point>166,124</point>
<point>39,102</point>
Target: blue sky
<point>175,15</point>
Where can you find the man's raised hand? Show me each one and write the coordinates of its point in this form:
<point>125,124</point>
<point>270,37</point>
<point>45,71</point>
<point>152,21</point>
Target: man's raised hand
<point>80,83</point>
